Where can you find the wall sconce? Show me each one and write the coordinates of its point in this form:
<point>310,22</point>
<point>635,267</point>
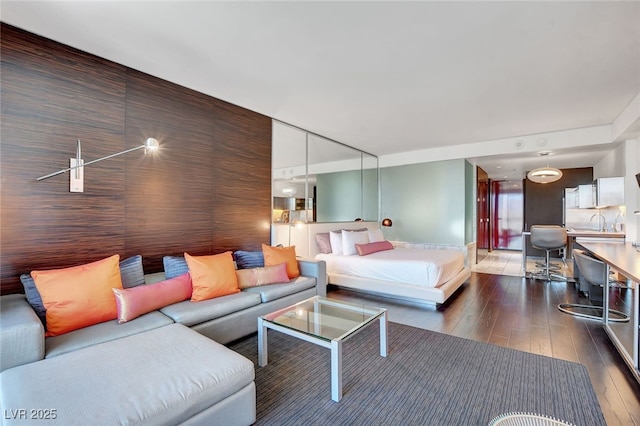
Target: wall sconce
<point>76,183</point>
<point>387,222</point>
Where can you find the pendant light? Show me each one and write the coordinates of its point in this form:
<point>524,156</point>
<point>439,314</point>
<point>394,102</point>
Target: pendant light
<point>544,174</point>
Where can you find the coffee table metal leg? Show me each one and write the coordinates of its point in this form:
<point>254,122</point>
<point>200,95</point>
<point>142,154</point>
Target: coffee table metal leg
<point>384,343</point>
<point>263,355</point>
<point>336,370</point>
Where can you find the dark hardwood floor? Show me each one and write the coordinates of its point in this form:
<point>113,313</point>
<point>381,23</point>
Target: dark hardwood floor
<point>522,314</point>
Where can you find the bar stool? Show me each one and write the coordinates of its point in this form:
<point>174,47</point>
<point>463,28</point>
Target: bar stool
<point>549,238</point>
<point>592,281</point>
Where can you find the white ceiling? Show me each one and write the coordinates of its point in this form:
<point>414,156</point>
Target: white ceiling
<point>384,77</point>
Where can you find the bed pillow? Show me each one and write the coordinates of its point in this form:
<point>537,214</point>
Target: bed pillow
<point>335,238</point>
<point>365,249</point>
<point>212,276</point>
<point>324,242</point>
<point>136,301</point>
<point>255,277</point>
<point>248,259</point>
<point>350,239</point>
<point>79,296</point>
<point>375,235</point>
<point>276,255</point>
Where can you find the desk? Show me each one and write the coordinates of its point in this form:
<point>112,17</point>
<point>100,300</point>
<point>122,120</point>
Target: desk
<point>624,258</point>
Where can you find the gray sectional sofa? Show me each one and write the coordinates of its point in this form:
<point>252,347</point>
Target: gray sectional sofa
<point>165,367</point>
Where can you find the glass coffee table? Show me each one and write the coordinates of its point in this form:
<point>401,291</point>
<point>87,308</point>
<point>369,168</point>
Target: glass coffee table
<point>324,322</point>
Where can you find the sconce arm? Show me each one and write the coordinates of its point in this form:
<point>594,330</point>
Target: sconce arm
<point>88,163</point>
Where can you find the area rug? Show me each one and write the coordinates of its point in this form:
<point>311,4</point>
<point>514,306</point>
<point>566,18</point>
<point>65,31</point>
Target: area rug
<point>428,378</point>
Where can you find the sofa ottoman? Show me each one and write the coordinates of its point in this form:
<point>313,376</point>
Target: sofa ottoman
<point>169,375</point>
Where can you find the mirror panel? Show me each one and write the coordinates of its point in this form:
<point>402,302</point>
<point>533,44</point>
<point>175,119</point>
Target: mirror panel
<point>331,182</point>
<point>370,193</point>
<point>288,162</point>
<point>337,172</point>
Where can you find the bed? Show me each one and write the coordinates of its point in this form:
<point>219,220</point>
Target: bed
<point>425,273</point>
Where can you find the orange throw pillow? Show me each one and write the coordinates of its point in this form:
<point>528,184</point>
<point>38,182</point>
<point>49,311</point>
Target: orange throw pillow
<point>276,255</point>
<point>212,276</point>
<point>79,296</point>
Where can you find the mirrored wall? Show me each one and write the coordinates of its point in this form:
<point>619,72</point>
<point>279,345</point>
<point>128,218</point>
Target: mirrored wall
<point>316,179</point>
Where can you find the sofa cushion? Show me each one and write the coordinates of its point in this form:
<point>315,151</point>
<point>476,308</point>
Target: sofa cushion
<point>131,273</point>
<point>255,277</point>
<point>164,376</point>
<point>21,332</point>
<point>103,332</point>
<point>248,259</point>
<point>276,291</point>
<point>79,296</point>
<point>174,266</point>
<point>191,313</point>
<point>276,255</point>
<point>133,302</point>
<point>212,276</point>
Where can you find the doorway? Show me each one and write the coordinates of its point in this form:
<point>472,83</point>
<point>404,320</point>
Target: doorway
<point>483,209</point>
<point>506,215</point>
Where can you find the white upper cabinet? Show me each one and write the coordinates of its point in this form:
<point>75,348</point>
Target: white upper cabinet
<point>610,191</point>
<point>586,196</point>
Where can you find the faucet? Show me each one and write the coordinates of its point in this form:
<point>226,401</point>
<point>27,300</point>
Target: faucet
<point>604,221</point>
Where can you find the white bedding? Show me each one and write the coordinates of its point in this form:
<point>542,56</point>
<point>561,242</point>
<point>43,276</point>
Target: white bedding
<point>416,266</point>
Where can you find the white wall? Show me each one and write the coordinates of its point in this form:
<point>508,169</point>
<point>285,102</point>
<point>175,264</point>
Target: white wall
<point>613,165</point>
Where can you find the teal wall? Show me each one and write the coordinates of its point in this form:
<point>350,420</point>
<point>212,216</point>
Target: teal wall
<point>339,196</point>
<point>470,202</point>
<point>345,196</point>
<point>428,202</point>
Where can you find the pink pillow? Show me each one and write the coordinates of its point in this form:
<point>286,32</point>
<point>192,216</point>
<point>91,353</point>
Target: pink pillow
<point>136,301</point>
<point>260,276</point>
<point>365,249</point>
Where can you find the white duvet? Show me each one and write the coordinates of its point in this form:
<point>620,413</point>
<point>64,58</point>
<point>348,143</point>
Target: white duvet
<point>422,267</point>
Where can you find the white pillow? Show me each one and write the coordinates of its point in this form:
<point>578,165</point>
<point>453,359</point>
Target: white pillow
<point>335,238</point>
<point>375,235</point>
<point>350,239</point>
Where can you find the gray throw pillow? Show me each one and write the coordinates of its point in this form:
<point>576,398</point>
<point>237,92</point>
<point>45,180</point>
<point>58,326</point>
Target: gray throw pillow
<point>33,297</point>
<point>131,272</point>
<point>248,259</point>
<point>174,266</point>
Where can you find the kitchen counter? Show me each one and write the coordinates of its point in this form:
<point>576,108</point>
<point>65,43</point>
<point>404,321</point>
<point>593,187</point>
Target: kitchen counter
<point>625,258</point>
<point>584,234</point>
<point>621,256</point>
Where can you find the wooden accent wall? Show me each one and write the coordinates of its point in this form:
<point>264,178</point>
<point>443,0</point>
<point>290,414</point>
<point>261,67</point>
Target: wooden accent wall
<point>207,190</point>
<point>543,202</point>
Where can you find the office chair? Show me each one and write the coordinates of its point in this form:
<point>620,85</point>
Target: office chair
<point>591,280</point>
<point>548,238</point>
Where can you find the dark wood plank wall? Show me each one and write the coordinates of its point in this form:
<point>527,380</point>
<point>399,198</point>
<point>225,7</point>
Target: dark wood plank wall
<point>543,202</point>
<point>207,190</point>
